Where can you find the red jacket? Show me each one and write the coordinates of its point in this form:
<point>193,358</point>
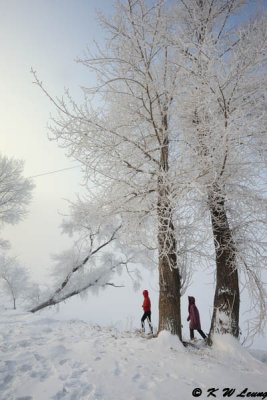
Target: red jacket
<point>146,304</point>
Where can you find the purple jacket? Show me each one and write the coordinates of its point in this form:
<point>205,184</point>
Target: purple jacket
<point>193,316</point>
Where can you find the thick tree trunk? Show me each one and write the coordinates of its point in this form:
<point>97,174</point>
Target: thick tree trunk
<point>225,318</point>
<point>169,285</point>
<point>169,275</point>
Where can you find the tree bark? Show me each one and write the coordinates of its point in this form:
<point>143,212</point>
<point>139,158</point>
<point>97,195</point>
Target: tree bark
<point>169,275</point>
<point>169,283</point>
<point>225,318</point>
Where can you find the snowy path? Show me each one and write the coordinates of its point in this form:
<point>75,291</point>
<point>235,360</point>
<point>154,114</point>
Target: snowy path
<point>43,359</point>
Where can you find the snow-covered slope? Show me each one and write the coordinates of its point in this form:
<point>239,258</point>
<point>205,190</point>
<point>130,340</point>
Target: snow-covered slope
<point>42,358</point>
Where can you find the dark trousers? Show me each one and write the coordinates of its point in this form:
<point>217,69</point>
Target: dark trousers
<point>199,331</point>
<point>147,315</point>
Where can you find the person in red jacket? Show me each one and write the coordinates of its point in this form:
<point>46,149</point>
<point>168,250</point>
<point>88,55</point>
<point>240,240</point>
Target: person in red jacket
<point>194,319</point>
<point>147,311</point>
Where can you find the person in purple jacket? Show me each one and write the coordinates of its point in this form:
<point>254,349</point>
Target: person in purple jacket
<point>194,319</point>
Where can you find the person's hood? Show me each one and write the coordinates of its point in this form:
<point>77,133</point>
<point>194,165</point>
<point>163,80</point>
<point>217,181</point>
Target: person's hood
<point>191,300</point>
<point>145,293</point>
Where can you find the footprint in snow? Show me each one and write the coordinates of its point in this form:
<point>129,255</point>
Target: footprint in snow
<point>10,364</point>
<point>62,362</point>
<point>136,377</point>
<point>24,398</point>
<point>8,378</point>
<point>77,374</point>
<point>38,357</point>
<point>24,343</point>
<point>70,393</point>
<point>43,375</point>
<point>117,370</point>
<point>58,350</point>
<point>25,368</point>
<point>47,330</point>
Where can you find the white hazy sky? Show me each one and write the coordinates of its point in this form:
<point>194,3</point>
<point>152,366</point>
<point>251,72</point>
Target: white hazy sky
<point>48,35</point>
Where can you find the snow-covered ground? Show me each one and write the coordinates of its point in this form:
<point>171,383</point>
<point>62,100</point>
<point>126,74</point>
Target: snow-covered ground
<point>42,358</point>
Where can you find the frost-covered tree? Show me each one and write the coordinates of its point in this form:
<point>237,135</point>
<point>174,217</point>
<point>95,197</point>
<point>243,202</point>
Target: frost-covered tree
<point>91,262</point>
<point>14,279</point>
<point>15,192</point>
<point>168,125</point>
<point>15,195</point>
<point>124,136</point>
<point>223,118</point>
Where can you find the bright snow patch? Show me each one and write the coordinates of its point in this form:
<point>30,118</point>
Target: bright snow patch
<point>43,359</point>
<point>166,341</point>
